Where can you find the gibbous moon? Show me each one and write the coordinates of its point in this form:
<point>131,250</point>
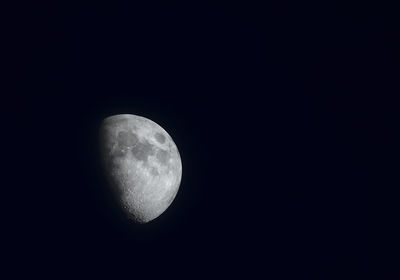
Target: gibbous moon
<point>142,163</point>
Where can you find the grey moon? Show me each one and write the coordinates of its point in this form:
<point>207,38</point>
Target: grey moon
<point>142,163</point>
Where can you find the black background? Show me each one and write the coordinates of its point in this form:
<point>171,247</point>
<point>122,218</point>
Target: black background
<point>277,111</point>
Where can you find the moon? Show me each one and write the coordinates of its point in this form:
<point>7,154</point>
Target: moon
<point>142,163</point>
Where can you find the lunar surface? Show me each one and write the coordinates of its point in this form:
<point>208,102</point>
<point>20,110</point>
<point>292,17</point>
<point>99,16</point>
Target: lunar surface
<point>142,164</point>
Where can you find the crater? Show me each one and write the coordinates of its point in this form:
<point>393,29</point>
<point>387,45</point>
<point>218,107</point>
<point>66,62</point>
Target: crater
<point>162,156</point>
<point>160,137</point>
<point>142,150</point>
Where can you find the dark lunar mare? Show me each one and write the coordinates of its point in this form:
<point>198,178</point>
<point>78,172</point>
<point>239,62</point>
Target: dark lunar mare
<point>160,137</point>
<point>127,139</point>
<point>142,150</point>
<point>162,156</point>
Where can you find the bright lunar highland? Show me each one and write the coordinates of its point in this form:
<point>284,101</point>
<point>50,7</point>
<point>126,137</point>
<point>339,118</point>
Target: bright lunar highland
<point>142,163</point>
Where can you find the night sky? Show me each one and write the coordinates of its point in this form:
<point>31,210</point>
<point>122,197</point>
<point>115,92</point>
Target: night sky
<point>276,111</point>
